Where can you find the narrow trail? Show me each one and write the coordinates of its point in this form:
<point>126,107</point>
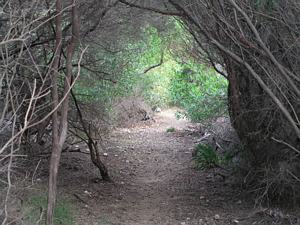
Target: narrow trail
<point>155,182</point>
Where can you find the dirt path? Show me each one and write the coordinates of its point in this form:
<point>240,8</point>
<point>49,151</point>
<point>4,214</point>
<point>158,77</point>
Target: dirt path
<point>154,182</point>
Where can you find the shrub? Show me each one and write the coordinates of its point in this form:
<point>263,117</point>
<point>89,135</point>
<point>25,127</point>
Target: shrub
<point>206,157</point>
<point>200,92</point>
<point>171,130</point>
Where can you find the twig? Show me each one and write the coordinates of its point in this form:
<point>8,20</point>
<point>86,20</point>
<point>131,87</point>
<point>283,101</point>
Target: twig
<point>156,10</point>
<point>286,144</point>
<point>80,199</point>
<point>33,175</point>
<point>156,65</point>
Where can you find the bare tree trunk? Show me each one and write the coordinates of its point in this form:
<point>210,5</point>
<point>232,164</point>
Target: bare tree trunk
<point>60,125</point>
<point>56,151</point>
<point>95,157</point>
<point>92,144</point>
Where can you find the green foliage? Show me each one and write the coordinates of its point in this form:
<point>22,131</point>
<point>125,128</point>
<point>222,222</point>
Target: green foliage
<point>33,208</point>
<point>206,157</point>
<point>227,158</point>
<point>171,130</point>
<point>122,73</point>
<point>178,81</point>
<point>154,84</point>
<point>199,91</point>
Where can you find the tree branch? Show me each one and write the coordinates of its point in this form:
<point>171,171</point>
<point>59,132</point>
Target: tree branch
<point>167,13</point>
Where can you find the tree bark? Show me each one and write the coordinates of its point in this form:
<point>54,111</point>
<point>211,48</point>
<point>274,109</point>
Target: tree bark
<point>56,151</point>
<point>92,144</point>
<point>60,125</point>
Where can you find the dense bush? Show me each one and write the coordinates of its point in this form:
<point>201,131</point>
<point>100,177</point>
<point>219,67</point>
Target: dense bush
<point>122,73</point>
<point>199,91</point>
<point>255,41</point>
<point>157,70</point>
<point>206,157</point>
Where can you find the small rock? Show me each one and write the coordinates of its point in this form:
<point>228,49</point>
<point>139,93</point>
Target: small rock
<point>183,223</point>
<point>96,180</point>
<point>239,202</point>
<point>210,176</point>
<point>88,150</point>
<point>235,221</point>
<point>217,217</point>
<point>116,155</point>
<point>105,154</point>
<point>88,193</point>
<point>202,197</point>
<point>158,110</point>
<point>127,161</point>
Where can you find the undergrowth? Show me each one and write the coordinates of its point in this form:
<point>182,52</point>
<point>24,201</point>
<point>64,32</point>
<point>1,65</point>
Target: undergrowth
<point>34,210</point>
<point>171,130</point>
<point>200,92</point>
<point>206,157</point>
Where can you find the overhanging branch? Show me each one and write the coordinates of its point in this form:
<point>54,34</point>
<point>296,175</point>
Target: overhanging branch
<point>163,12</point>
<point>156,65</point>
